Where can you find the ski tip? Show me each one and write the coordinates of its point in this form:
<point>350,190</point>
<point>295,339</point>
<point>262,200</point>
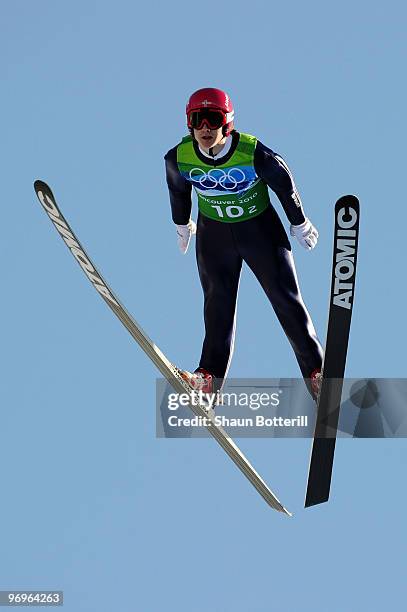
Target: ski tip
<point>41,186</point>
<point>348,200</point>
<point>38,184</point>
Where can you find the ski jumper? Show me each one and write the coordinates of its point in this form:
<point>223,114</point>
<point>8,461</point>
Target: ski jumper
<point>236,223</point>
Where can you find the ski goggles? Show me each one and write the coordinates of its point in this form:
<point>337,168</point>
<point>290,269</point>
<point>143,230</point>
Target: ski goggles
<point>214,119</point>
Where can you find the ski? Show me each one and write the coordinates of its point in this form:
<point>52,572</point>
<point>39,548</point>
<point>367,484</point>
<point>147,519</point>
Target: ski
<point>166,368</point>
<point>333,370</point>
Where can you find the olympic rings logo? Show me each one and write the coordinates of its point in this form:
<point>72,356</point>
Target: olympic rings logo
<point>217,177</point>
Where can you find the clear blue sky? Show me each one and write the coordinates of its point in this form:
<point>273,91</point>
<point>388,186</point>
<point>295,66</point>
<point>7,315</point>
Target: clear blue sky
<point>93,95</point>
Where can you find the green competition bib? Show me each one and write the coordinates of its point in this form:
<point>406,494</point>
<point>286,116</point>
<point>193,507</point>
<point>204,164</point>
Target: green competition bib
<point>230,192</point>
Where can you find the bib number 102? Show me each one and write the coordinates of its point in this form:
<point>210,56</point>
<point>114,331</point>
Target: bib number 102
<point>233,211</point>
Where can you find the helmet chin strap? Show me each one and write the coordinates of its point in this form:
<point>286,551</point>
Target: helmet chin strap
<point>211,153</point>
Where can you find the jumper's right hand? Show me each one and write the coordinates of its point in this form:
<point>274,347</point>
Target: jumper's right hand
<point>184,233</point>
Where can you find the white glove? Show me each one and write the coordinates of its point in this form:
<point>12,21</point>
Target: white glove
<point>306,234</point>
<point>184,233</point>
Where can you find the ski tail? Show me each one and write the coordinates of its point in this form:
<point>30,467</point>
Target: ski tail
<point>320,471</point>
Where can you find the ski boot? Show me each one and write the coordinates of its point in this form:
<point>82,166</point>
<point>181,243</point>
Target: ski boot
<point>200,380</point>
<point>316,381</point>
<point>204,381</point>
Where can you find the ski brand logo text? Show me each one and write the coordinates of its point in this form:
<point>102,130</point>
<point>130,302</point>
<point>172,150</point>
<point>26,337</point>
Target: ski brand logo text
<point>345,251</point>
<point>75,247</point>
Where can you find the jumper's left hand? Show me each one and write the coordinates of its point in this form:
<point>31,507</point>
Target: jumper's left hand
<point>306,234</point>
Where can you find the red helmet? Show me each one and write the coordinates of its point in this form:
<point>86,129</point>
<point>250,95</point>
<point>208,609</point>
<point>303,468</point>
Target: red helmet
<point>210,99</point>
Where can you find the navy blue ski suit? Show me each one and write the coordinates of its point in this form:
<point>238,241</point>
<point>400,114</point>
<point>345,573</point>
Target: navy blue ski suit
<point>263,244</point>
